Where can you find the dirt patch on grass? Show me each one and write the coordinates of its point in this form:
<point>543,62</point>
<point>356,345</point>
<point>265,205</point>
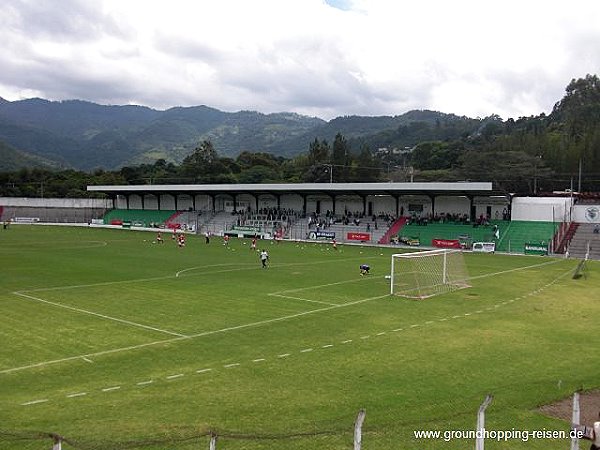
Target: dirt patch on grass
<point>589,406</point>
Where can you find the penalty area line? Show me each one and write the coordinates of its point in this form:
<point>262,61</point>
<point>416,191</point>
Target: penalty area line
<point>193,336</point>
<point>102,316</point>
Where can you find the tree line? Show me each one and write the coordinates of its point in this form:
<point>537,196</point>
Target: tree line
<point>529,155</point>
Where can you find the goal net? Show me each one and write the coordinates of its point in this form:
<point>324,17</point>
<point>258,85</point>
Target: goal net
<point>425,274</point>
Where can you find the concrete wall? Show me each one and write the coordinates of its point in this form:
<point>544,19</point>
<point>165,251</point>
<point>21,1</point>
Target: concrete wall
<point>541,209</point>
<point>56,202</point>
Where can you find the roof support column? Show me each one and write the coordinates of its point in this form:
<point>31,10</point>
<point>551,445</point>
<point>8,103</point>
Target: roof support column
<point>142,196</point>
<point>432,198</point>
<point>234,202</point>
<point>303,204</point>
<point>278,197</point>
<point>175,198</point>
<point>193,201</point>
<point>115,199</point>
<point>333,198</point>
<point>256,203</point>
<point>397,198</point>
<point>472,212</point>
<point>212,202</point>
<point>127,201</point>
<point>158,201</point>
<point>364,199</point>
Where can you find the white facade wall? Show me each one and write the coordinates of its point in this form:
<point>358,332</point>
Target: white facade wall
<point>380,204</point>
<point>384,204</point>
<point>150,202</point>
<point>167,202</point>
<point>56,202</point>
<point>292,201</point>
<point>497,205</point>
<point>542,209</point>
<point>203,203</point>
<point>452,205</point>
<point>184,202</point>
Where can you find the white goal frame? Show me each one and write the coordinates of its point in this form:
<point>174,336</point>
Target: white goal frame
<point>451,274</point>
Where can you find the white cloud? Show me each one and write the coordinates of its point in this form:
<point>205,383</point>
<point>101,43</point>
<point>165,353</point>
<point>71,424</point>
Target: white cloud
<point>319,57</point>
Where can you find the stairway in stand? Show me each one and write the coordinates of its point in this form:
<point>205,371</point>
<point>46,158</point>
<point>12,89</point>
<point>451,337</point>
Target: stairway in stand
<point>393,230</point>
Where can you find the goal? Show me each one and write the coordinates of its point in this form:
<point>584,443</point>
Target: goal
<point>425,274</point>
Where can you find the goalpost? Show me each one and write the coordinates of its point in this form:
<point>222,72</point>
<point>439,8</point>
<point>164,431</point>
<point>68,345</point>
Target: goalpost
<point>425,274</point>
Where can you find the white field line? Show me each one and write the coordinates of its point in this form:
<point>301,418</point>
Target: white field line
<point>217,265</point>
<point>34,402</point>
<point>249,325</point>
<point>166,277</point>
<point>78,394</point>
<point>301,299</point>
<point>112,388</point>
<point>103,316</point>
<point>477,277</point>
<point>319,286</point>
<point>192,336</point>
<point>34,245</point>
<point>285,355</point>
<point>172,377</point>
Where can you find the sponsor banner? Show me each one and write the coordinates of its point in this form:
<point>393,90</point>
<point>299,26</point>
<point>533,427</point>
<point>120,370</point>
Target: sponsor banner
<point>536,249</point>
<point>246,228</point>
<point>321,235</point>
<point>26,219</point>
<point>358,237</point>
<point>485,247</point>
<point>446,243</point>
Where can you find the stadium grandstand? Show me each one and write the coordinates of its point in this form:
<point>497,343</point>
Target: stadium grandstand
<point>454,215</point>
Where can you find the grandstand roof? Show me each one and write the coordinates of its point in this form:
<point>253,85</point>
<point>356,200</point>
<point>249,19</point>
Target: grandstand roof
<point>458,188</point>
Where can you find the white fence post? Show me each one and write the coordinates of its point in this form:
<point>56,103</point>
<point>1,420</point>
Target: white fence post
<point>480,435</point>
<point>57,443</point>
<point>575,418</point>
<point>213,441</point>
<point>358,429</point>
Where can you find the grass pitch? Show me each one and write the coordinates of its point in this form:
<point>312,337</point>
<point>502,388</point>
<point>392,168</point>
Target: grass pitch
<point>114,341</point>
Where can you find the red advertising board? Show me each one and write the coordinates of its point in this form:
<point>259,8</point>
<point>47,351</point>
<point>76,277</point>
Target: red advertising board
<point>446,243</point>
<point>358,236</point>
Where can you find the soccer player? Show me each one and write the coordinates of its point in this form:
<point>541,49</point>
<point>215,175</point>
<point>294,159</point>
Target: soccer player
<point>334,244</point>
<point>159,238</point>
<point>207,237</point>
<point>264,257</point>
<point>181,241</point>
<point>253,245</point>
<point>364,269</point>
<point>226,240</point>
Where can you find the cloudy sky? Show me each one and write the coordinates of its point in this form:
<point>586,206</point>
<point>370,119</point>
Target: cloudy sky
<point>324,58</point>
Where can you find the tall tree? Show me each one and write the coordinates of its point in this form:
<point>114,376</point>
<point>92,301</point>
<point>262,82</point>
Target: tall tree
<point>341,158</point>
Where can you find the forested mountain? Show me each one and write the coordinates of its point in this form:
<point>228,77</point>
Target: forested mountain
<point>205,145</point>
<point>11,159</point>
<point>85,135</point>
